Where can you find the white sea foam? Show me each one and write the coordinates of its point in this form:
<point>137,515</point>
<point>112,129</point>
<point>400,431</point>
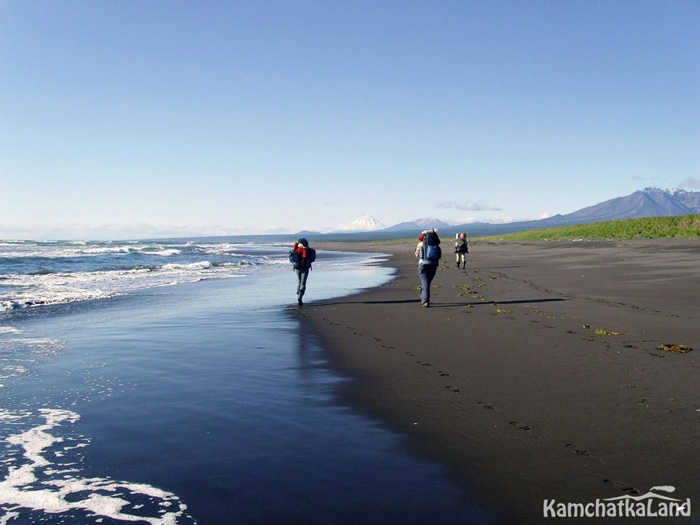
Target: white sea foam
<point>83,249</point>
<point>57,273</point>
<point>58,288</point>
<point>64,252</point>
<point>20,351</point>
<point>38,480</point>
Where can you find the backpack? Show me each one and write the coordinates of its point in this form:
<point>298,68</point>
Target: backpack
<point>431,251</point>
<point>302,256</point>
<point>431,238</point>
<point>462,246</point>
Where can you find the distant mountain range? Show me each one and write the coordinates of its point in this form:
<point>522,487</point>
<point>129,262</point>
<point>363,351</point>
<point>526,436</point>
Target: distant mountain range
<point>649,202</point>
<point>419,224</point>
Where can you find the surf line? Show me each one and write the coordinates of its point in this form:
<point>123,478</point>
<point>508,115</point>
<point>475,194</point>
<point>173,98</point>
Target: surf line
<point>34,483</point>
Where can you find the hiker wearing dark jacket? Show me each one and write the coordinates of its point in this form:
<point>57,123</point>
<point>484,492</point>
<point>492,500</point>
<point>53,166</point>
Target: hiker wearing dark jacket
<point>301,256</point>
<point>462,249</point>
<point>428,253</point>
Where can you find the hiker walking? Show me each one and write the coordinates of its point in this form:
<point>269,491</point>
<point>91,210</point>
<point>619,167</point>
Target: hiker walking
<point>461,249</point>
<point>428,252</point>
<point>301,257</point>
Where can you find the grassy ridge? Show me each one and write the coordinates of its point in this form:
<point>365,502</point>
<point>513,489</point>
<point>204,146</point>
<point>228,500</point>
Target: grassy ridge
<point>686,226</point>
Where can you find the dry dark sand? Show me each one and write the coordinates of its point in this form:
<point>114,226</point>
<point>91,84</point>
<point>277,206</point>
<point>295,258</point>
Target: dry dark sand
<point>535,373</point>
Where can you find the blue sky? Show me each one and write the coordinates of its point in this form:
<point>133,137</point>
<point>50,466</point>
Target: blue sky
<point>127,119</point>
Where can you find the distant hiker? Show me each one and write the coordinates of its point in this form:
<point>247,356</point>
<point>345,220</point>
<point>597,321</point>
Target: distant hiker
<point>428,252</point>
<point>461,249</point>
<point>301,257</point>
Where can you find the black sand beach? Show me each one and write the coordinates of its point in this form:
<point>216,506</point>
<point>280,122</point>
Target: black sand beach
<point>535,374</point>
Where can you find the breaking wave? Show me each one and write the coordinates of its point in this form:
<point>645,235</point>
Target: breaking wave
<point>47,273</point>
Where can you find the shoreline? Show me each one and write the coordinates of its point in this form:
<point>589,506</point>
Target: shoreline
<point>201,401</point>
<point>535,374</point>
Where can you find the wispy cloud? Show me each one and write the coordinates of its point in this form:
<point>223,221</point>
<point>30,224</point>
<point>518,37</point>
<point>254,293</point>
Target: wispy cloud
<point>690,182</point>
<point>470,206</point>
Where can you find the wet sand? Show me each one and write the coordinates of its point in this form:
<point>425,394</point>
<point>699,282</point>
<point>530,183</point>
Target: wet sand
<point>535,374</point>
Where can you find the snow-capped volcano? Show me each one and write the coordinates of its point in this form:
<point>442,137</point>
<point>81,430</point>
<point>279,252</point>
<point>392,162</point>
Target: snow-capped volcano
<point>365,223</point>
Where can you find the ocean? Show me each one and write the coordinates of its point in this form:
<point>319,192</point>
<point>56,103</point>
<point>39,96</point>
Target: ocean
<point>168,382</point>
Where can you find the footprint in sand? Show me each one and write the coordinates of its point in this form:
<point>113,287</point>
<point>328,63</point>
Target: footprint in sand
<point>626,487</point>
<point>579,451</point>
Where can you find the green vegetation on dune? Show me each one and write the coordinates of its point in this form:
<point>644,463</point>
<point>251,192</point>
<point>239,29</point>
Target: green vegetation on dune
<point>686,226</point>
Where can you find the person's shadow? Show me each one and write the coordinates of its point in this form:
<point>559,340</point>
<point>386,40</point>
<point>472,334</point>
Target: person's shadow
<point>434,304</point>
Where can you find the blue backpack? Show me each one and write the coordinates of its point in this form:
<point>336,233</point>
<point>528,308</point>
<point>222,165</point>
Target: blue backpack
<point>431,252</point>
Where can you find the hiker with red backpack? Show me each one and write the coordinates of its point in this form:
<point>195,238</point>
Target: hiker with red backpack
<point>301,256</point>
<point>428,252</point>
